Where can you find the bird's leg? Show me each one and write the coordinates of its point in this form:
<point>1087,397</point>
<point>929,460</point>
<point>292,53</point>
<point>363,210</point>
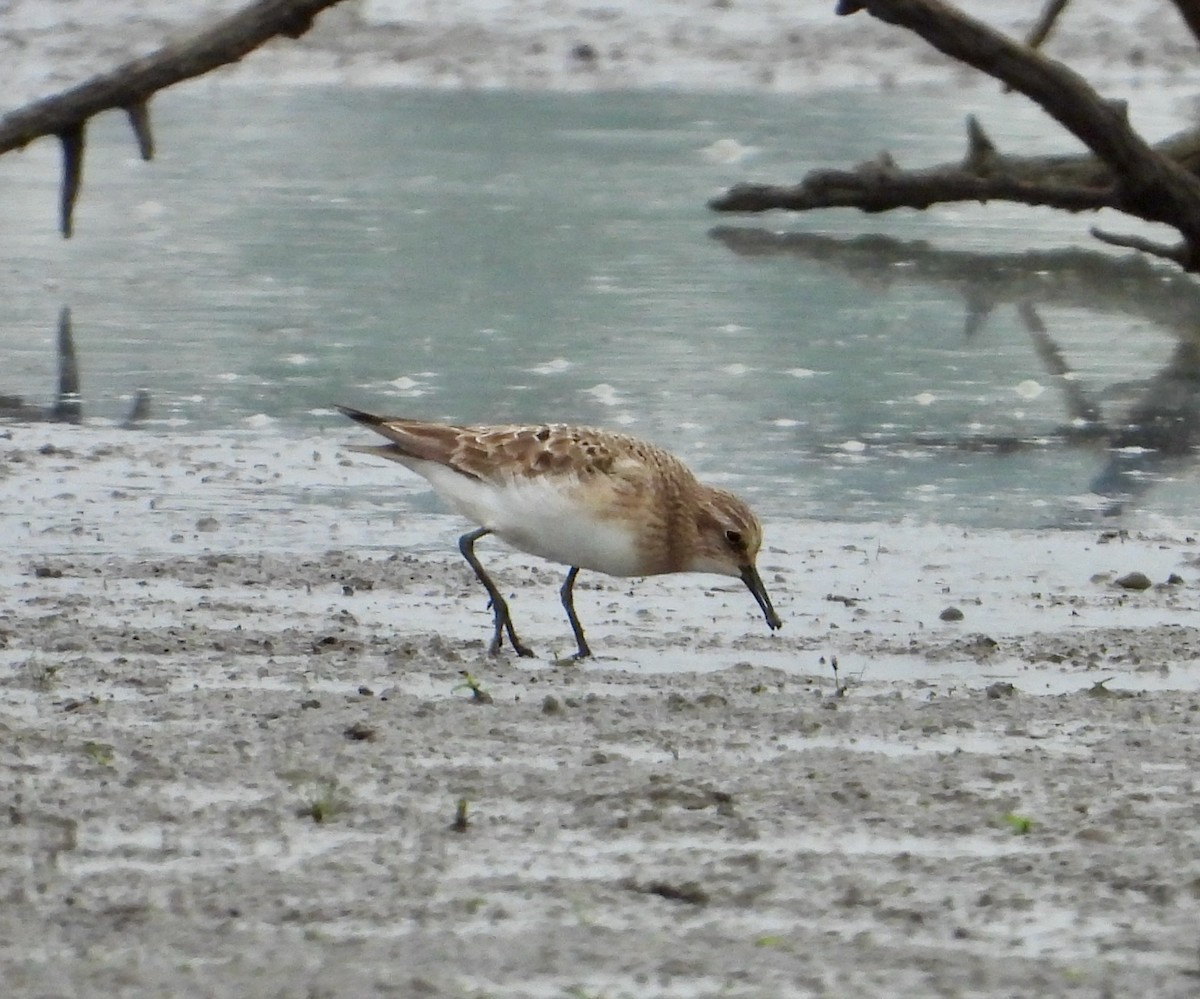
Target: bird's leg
<point>568,601</point>
<point>466,545</point>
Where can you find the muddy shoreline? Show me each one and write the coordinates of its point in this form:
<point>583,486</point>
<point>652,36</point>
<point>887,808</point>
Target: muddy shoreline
<point>696,45</point>
<point>235,757</point>
<point>243,751</point>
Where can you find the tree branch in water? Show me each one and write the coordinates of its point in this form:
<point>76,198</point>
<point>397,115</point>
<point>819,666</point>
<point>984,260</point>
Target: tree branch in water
<point>130,86</point>
<point>1154,183</point>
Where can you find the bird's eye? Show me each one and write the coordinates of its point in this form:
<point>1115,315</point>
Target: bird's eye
<point>734,537</point>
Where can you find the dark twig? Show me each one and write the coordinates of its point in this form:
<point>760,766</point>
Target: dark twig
<point>982,156</point>
<point>1043,26</point>
<point>72,154</point>
<point>1045,23</point>
<point>139,121</point>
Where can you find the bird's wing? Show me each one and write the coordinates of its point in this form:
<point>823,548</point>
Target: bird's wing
<point>501,453</point>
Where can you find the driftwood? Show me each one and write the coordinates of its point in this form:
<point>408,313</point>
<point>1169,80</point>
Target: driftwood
<point>129,87</point>
<point>1155,183</point>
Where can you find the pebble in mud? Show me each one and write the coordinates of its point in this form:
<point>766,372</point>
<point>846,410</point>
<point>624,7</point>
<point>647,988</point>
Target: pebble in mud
<point>361,732</point>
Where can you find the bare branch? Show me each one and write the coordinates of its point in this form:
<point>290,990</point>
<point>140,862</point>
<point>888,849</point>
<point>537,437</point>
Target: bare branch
<point>1154,183</point>
<point>1149,185</point>
<point>226,41</point>
<point>130,86</point>
<point>878,191</point>
<point>1070,183</point>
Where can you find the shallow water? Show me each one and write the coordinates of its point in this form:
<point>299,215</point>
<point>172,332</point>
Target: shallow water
<point>497,256</point>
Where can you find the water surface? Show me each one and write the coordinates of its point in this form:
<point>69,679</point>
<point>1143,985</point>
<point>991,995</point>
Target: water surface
<point>497,257</point>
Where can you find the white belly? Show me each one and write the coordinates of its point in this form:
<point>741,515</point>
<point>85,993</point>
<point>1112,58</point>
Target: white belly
<point>538,517</point>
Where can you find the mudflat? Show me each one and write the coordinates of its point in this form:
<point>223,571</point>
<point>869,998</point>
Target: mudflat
<point>253,745</point>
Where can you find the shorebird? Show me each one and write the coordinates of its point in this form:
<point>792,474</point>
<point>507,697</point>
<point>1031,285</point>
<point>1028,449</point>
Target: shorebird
<point>586,498</point>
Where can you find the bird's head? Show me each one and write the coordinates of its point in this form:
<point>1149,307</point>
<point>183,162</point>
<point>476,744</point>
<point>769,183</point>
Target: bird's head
<point>729,536</point>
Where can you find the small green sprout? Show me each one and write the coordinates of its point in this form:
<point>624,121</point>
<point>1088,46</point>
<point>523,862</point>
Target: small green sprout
<point>1021,825</point>
<point>325,801</point>
<point>100,752</point>
<point>461,823</point>
<point>478,694</point>
<point>43,677</point>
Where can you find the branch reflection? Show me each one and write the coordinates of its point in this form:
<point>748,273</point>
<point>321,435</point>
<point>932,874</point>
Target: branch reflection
<point>1156,430</point>
<point>68,400</point>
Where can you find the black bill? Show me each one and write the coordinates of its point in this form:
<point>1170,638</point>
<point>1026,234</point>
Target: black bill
<point>754,583</point>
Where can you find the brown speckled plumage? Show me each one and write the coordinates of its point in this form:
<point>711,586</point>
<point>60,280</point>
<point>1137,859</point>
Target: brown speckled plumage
<point>584,497</point>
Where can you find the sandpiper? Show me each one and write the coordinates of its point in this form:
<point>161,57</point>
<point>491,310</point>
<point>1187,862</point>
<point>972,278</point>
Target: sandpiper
<point>588,499</point>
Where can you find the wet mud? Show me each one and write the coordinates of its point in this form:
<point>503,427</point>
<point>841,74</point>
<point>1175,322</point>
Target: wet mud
<point>239,761</point>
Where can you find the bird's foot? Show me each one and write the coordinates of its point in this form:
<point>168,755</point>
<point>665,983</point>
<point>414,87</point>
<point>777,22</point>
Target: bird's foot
<point>497,646</point>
